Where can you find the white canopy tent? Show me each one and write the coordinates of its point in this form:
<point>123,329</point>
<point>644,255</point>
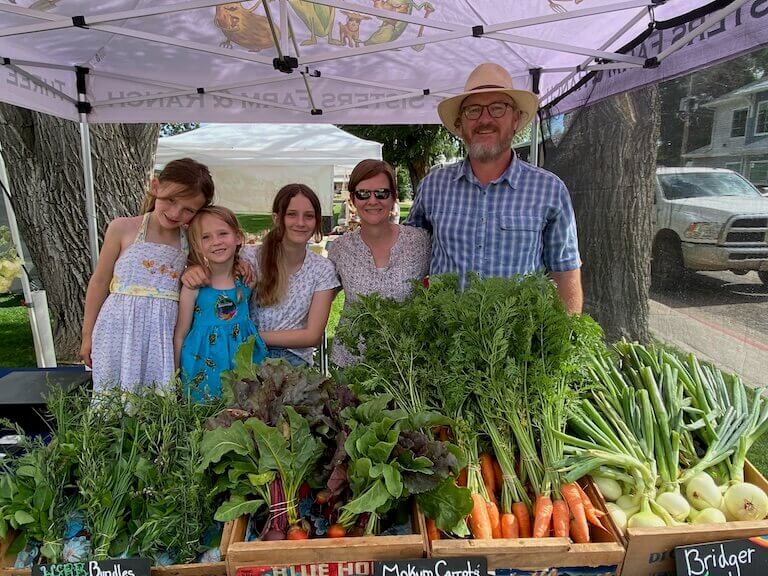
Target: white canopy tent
<point>368,61</point>
<point>250,162</point>
<point>386,61</point>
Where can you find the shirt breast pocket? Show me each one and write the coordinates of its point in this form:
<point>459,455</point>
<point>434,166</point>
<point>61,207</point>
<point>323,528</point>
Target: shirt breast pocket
<point>521,234</point>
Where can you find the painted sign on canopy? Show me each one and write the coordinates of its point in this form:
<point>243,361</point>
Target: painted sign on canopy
<point>118,567</point>
<point>747,557</point>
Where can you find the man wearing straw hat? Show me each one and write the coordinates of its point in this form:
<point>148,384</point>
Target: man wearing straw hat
<point>492,213</point>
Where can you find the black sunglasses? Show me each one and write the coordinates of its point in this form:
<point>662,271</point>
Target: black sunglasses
<point>380,193</point>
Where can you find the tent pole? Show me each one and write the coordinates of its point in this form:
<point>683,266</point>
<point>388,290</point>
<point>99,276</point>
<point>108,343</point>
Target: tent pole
<point>36,303</point>
<point>85,152</point>
<point>534,155</point>
<point>90,202</point>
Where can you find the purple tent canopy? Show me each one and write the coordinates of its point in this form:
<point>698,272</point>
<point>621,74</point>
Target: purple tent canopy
<point>378,61</point>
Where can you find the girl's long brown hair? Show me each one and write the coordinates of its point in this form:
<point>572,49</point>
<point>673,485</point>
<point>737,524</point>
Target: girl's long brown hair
<point>273,278</point>
<point>191,174</point>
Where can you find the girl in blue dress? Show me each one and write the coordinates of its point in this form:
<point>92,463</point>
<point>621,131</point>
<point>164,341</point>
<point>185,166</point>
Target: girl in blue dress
<point>213,320</point>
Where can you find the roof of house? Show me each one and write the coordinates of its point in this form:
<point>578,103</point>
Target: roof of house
<point>742,93</point>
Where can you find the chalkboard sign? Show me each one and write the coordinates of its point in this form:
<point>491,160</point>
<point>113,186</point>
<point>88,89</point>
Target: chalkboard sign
<point>432,567</point>
<point>120,567</point>
<point>747,557</point>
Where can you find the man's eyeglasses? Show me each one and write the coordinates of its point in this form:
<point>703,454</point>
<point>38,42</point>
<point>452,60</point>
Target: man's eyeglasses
<point>495,109</point>
<point>380,193</point>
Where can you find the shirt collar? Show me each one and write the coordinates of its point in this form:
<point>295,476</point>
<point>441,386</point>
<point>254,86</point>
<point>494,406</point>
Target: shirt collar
<point>511,174</point>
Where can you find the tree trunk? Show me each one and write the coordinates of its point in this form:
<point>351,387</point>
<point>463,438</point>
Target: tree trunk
<point>42,154</point>
<point>607,158</point>
<point>417,169</point>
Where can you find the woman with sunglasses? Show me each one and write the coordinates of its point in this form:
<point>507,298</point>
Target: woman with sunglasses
<point>379,257</point>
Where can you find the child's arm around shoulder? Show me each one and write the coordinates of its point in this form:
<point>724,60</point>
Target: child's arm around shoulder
<point>118,236</point>
<point>187,299</point>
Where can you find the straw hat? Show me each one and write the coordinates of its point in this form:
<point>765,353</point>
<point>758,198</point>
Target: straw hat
<point>488,77</point>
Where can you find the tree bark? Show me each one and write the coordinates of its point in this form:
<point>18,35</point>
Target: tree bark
<point>607,158</point>
<point>417,169</point>
<point>42,155</point>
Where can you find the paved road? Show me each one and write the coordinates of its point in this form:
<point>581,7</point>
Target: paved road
<point>734,304</point>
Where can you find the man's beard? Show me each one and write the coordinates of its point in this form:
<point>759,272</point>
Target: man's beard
<point>486,152</point>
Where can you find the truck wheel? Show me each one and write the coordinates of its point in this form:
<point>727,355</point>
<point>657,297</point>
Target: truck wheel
<point>667,267</point>
<point>763,277</point>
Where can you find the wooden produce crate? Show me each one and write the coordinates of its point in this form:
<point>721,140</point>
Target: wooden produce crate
<point>651,551</point>
<point>200,569</point>
<point>541,553</point>
<point>348,556</point>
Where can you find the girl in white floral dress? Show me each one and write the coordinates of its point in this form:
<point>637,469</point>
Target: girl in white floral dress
<point>132,300</point>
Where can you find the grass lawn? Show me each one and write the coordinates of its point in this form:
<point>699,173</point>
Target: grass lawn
<point>17,349</point>
<point>255,223</point>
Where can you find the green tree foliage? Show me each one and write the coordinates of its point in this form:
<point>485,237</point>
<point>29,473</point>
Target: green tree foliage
<point>174,129</point>
<point>414,147</point>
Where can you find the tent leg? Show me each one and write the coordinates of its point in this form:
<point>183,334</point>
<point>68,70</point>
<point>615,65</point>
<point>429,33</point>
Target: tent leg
<point>323,354</point>
<point>90,202</point>
<point>36,301</point>
<point>534,155</point>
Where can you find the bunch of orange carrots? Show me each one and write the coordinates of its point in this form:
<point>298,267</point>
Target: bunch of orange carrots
<point>493,515</point>
<point>523,496</point>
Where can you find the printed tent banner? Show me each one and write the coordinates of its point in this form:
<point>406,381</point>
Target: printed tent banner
<point>333,61</point>
<point>251,162</point>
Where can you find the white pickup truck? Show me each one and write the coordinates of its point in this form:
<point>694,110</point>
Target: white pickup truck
<point>707,219</point>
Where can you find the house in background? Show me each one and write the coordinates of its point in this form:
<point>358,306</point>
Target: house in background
<point>739,138</point>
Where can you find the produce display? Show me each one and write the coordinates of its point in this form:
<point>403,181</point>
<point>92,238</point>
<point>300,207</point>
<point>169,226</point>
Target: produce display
<point>482,404</point>
<point>118,477</point>
<point>306,459</point>
<point>666,439</point>
<point>503,360</point>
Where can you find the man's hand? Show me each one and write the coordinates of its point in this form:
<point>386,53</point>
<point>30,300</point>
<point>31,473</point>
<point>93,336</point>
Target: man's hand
<point>195,277</point>
<point>245,271</point>
<point>569,288</point>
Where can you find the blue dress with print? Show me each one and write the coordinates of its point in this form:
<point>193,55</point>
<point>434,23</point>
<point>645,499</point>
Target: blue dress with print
<point>220,324</point>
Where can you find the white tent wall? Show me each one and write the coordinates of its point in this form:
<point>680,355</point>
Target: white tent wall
<point>251,162</point>
<point>252,189</point>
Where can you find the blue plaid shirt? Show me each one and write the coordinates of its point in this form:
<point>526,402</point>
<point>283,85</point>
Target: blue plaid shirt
<point>520,223</point>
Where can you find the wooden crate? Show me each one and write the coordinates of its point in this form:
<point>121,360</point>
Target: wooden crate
<point>363,550</point>
<point>540,553</point>
<point>207,569</point>
<point>651,551</point>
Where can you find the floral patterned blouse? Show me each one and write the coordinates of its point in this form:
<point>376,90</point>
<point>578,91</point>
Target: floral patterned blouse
<point>408,260</point>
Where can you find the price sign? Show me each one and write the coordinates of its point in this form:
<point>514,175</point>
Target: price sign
<point>748,557</point>
<point>121,567</point>
<point>432,567</point>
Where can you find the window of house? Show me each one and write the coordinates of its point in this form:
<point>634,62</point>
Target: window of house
<point>735,166</point>
<point>758,172</point>
<point>739,123</point>
<point>761,126</point>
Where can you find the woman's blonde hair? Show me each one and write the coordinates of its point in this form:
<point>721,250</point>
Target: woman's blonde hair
<point>272,284</point>
<point>193,177</point>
